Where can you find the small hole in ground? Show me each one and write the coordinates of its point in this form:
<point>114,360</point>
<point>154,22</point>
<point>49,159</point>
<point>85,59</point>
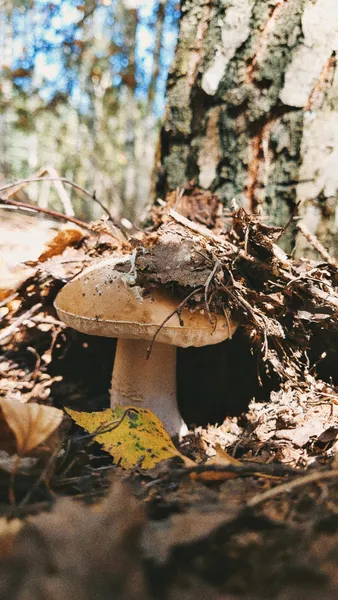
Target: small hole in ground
<point>219,381</point>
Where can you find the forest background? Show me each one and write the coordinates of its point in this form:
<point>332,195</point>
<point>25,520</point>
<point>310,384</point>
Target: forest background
<point>82,87</point>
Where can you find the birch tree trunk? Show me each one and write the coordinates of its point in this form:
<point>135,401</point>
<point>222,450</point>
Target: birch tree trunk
<point>252,110</point>
<point>129,193</point>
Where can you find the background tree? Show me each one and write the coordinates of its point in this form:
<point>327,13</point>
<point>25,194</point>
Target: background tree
<point>82,88</point>
<point>253,110</point>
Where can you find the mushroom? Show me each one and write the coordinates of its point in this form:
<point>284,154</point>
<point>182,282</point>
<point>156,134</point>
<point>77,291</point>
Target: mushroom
<point>104,301</point>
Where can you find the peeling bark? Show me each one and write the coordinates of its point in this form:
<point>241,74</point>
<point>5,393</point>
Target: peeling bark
<point>253,110</point>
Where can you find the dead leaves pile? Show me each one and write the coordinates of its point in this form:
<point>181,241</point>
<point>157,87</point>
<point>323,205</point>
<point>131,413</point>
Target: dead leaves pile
<point>282,303</point>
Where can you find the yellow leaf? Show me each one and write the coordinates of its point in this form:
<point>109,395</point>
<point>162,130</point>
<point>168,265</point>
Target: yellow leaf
<point>29,424</point>
<point>132,433</point>
<point>60,242</point>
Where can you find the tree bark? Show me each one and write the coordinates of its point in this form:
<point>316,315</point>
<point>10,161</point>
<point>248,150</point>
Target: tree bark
<point>129,193</point>
<point>252,110</point>
<point>156,56</point>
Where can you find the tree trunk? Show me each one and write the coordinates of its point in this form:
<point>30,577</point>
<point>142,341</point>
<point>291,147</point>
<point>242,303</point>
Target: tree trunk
<point>6,93</point>
<point>129,194</point>
<point>156,56</point>
<point>253,110</point>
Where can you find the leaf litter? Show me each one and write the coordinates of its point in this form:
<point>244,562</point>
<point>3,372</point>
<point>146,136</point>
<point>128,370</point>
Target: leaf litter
<point>259,519</point>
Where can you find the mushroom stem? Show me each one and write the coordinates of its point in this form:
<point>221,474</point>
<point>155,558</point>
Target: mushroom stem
<point>147,383</point>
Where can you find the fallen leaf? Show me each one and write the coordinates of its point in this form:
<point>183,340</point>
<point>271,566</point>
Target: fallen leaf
<point>163,537</point>
<point>129,434</point>
<point>221,458</point>
<point>60,242</point>
<point>8,532</point>
<point>299,436</point>
<point>78,551</point>
<point>329,435</point>
<point>23,427</point>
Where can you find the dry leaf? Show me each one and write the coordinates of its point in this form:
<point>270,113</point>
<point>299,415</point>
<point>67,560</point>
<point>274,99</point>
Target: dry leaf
<point>60,242</point>
<point>221,458</point>
<point>8,532</point>
<point>134,433</point>
<point>183,529</point>
<point>329,435</point>
<point>23,427</point>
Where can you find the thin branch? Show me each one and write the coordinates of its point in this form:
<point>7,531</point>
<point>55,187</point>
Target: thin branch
<point>292,485</point>
<point>103,207</point>
<point>288,223</point>
<point>177,311</point>
<point>201,230</point>
<point>107,427</point>
<point>77,187</point>
<point>22,182</point>
<point>245,469</point>
<point>206,289</point>
<point>8,299</point>
<point>51,213</point>
<point>11,329</point>
<point>315,243</point>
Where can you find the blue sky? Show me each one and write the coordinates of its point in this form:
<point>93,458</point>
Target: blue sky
<point>47,34</point>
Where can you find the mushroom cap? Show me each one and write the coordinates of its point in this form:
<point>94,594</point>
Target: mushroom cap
<point>100,301</point>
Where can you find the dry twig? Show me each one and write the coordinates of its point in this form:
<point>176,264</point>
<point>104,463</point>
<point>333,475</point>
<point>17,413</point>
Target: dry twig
<point>289,486</point>
<point>315,243</point>
<point>10,330</point>
<point>77,187</point>
<point>51,213</point>
<point>176,311</point>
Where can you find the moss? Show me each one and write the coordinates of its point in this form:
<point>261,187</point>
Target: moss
<point>175,164</point>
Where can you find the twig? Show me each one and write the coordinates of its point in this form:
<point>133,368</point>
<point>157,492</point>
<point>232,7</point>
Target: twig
<point>109,426</point>
<point>288,223</point>
<point>200,229</point>
<point>326,297</point>
<point>246,240</point>
<point>302,277</point>
<point>42,477</point>
<point>60,188</point>
<point>37,362</point>
<point>206,289</point>
<point>26,315</point>
<point>22,182</point>
<point>8,299</point>
<point>291,485</point>
<point>315,243</point>
<point>50,213</point>
<point>77,187</point>
<point>334,397</point>
<point>105,209</point>
<point>226,314</point>
<point>244,469</point>
<point>177,311</point>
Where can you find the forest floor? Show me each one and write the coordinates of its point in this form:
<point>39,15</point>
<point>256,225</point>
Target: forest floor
<point>254,515</point>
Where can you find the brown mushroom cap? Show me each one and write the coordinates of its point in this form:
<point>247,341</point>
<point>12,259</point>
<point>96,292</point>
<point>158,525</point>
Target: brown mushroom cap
<point>99,301</point>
